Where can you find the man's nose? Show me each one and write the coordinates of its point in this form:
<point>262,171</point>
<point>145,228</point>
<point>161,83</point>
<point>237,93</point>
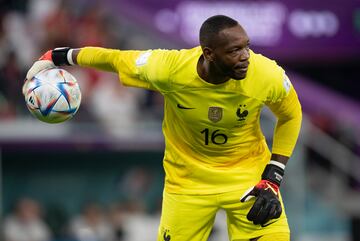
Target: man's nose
<point>245,55</point>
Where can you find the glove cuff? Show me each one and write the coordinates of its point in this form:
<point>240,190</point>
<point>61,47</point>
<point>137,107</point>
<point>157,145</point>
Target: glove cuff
<point>59,56</point>
<point>273,173</point>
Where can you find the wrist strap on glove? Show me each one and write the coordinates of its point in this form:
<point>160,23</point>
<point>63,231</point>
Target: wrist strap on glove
<point>60,56</point>
<point>273,173</point>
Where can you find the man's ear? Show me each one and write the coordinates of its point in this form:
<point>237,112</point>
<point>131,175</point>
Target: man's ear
<point>208,54</point>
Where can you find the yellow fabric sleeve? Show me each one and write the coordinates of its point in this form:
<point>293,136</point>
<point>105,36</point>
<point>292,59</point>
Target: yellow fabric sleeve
<point>289,114</point>
<point>121,62</point>
<point>99,58</point>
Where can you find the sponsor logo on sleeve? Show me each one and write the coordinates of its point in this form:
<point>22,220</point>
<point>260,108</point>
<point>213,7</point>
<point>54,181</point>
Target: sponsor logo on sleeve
<point>286,83</point>
<point>143,58</point>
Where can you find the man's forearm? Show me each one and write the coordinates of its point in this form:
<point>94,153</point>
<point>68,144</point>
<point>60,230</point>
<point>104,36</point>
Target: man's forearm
<point>279,158</point>
<point>75,53</point>
<point>98,58</point>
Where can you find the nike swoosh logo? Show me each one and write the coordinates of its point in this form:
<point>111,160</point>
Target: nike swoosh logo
<point>183,107</point>
<point>267,224</point>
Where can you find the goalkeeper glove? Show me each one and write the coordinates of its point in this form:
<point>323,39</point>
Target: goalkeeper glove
<point>267,205</point>
<point>51,59</point>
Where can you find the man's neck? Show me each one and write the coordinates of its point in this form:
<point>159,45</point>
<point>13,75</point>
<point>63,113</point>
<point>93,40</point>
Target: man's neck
<point>209,73</point>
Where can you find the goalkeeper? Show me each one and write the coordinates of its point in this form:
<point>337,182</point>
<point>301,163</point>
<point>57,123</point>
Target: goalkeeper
<point>216,156</point>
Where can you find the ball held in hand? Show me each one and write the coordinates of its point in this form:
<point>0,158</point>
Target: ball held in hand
<point>52,95</point>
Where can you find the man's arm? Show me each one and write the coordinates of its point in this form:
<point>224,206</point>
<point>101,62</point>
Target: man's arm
<point>96,57</point>
<point>267,205</point>
<point>147,69</point>
<point>125,63</point>
<point>289,114</point>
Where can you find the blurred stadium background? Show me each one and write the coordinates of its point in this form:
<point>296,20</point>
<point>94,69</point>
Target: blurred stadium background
<point>99,176</point>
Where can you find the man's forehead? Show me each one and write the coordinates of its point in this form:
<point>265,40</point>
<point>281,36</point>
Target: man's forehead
<point>233,34</point>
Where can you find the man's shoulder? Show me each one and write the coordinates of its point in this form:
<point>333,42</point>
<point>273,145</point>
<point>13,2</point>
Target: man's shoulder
<point>190,53</point>
<point>184,61</point>
<point>178,52</point>
<point>265,69</point>
<point>175,57</point>
<point>263,63</point>
<point>264,76</point>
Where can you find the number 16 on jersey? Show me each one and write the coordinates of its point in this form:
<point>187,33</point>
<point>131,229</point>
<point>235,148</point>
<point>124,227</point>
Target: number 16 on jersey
<point>214,137</point>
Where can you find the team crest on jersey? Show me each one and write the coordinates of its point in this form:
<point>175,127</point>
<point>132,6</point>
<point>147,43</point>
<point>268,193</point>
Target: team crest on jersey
<point>241,112</point>
<point>215,113</point>
<point>166,234</point>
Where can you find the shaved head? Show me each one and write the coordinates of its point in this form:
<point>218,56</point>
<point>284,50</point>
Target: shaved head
<point>212,26</point>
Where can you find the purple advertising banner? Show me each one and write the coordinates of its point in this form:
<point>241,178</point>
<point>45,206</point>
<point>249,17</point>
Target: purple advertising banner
<point>289,30</point>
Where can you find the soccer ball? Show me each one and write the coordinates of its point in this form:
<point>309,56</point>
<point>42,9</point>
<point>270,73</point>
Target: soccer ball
<point>52,95</point>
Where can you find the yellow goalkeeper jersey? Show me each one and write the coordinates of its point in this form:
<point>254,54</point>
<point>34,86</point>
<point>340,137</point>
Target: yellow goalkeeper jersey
<point>213,138</point>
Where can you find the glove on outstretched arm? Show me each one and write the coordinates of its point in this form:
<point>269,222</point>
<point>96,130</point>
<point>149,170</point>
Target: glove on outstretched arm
<point>51,59</point>
<point>267,205</point>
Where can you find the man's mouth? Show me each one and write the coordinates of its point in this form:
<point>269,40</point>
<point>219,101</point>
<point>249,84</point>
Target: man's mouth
<point>243,67</point>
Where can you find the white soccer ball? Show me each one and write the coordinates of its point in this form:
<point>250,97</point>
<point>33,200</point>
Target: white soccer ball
<point>52,95</point>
